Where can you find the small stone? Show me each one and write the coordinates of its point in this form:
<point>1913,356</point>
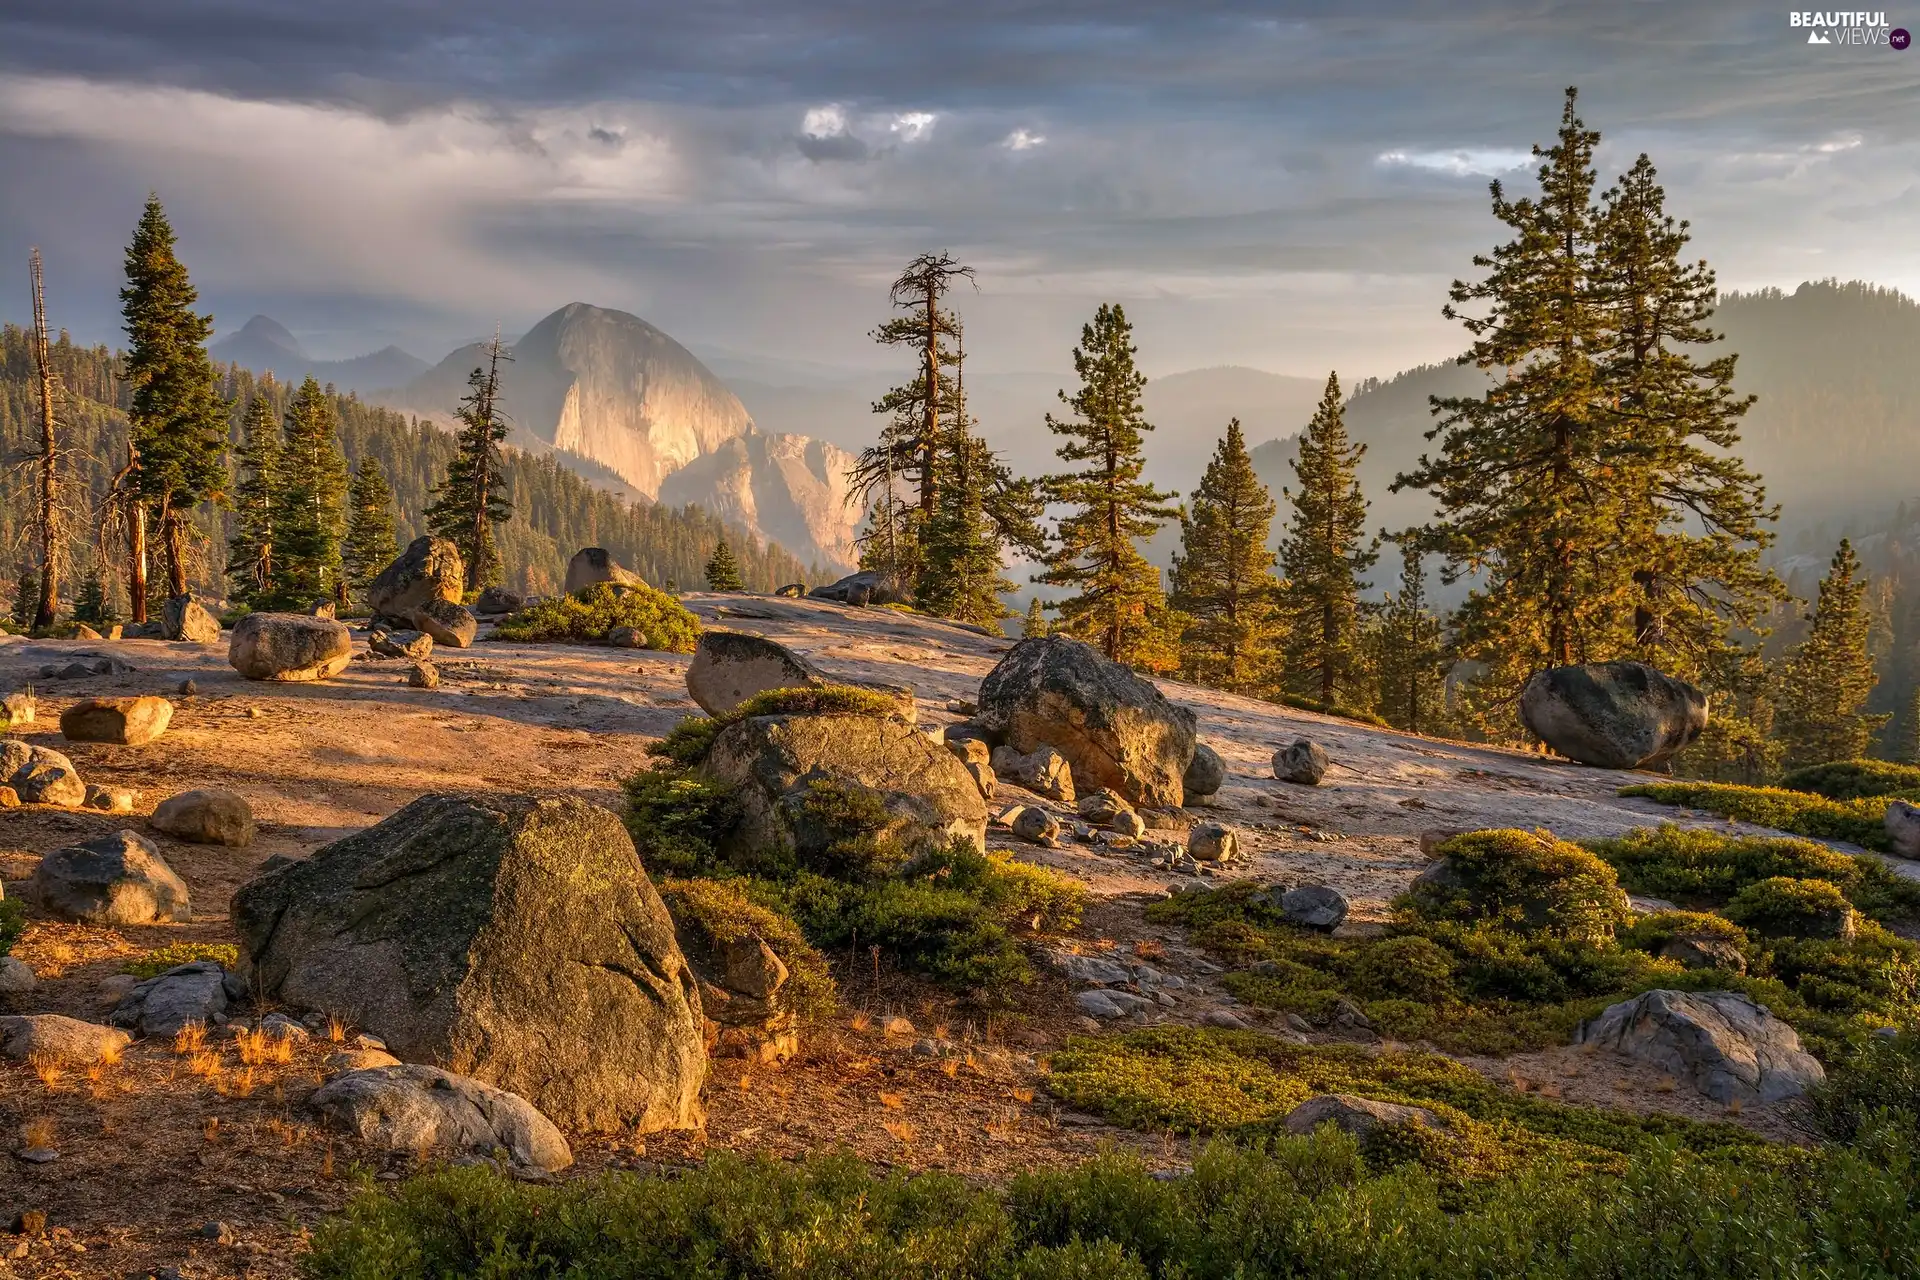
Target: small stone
<point>1297,1023</point>
<point>424,676</point>
<point>357,1060</point>
<point>1222,1018</point>
<point>38,1155</point>
<point>1213,842</point>
<point>9,798</point>
<point>1085,1023</point>
<point>1036,826</point>
<point>16,976</point>
<point>188,688</point>
<point>218,1232</point>
<point>897,1026</point>
<point>1304,762</point>
<point>963,707</point>
<point>109,799</point>
<point>279,1026</point>
<point>1205,775</point>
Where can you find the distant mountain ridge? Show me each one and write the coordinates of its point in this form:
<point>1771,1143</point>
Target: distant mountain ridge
<point>263,344</point>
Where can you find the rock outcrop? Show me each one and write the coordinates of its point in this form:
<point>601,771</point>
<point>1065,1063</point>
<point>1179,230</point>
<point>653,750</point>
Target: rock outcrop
<point>114,879</point>
<point>1616,715</point>
<point>731,666</point>
<point>1720,1042</point>
<point>1043,771</point>
<point>788,488</point>
<point>859,589</point>
<point>429,569</point>
<point>289,647</point>
<point>415,1108</point>
<point>1115,729</point>
<point>514,939</point>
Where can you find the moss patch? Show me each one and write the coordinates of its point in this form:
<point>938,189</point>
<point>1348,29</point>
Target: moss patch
<point>1860,821</point>
<point>1700,867</point>
<point>589,614</point>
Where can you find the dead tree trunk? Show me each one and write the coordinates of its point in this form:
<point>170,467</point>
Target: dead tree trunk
<point>48,516</point>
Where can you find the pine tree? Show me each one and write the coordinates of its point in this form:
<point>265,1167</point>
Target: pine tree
<point>473,498</point>
<point>962,545</point>
<point>257,499</point>
<point>1829,675</point>
<point>1409,659</point>
<point>1035,624</point>
<point>1119,604</point>
<point>307,526</point>
<point>90,603</point>
<point>1323,558</point>
<point>723,571</point>
<point>370,542</point>
<point>26,596</point>
<point>179,423</point>
<point>1908,750</point>
<point>1223,575</point>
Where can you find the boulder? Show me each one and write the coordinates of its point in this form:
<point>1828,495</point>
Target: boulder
<point>289,647</point>
<point>1103,806</point>
<point>983,776</point>
<point>1616,715</point>
<point>1357,1117</point>
<point>969,750</point>
<point>40,775</point>
<point>1128,823</point>
<point>773,760</point>
<point>1314,906</point>
<point>1305,762</point>
<point>1115,729</point>
<point>62,1039</point>
<point>497,601</point>
<point>322,609</point>
<point>416,646</point>
<point>1903,828</point>
<point>863,588</point>
<point>162,1005</point>
<point>731,666</point>
<point>127,722</point>
<point>184,618</point>
<point>107,799</point>
<point>357,1060</point>
<point>593,565</point>
<point>81,631</point>
<point>16,976</point>
<point>1704,950</point>
<point>424,675</point>
<point>208,816</point>
<point>448,623</point>
<point>1205,775</point>
<point>114,879</point>
<point>415,1108</point>
<point>514,939</point>
<point>429,569</point>
<point>624,637</point>
<point>1043,771</point>
<point>1036,826</point>
<point>792,591</point>
<point>1213,842</point>
<point>1719,1042</point>
<point>971,731</point>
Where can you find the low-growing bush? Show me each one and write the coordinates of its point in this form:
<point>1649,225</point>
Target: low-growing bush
<point>13,923</point>
<point>1880,1078</point>
<point>1783,907</point>
<point>174,954</point>
<point>1405,968</point>
<point>717,913</point>
<point>1854,779</point>
<point>1340,709</point>
<point>691,739</point>
<point>1651,933</point>
<point>678,818</point>
<point>1523,880</point>
<point>1861,822</point>
<point>1704,867</point>
<point>587,616</point>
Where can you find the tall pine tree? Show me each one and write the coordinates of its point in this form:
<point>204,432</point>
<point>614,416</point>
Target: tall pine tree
<point>1118,602</point>
<point>1829,675</point>
<point>1323,558</point>
<point>1223,575</point>
<point>723,571</point>
<point>1409,654</point>
<point>179,423</point>
<point>313,483</point>
<point>257,499</point>
<point>473,498</point>
<point>963,543</point>
<point>1035,623</point>
<point>370,546</point>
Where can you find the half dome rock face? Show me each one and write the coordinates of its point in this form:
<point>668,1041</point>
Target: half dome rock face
<point>789,488</point>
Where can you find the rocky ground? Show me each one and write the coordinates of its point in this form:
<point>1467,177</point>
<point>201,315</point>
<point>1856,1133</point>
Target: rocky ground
<point>189,1157</point>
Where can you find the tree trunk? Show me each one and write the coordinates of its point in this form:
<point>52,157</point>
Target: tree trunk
<point>929,482</point>
<point>173,541</point>
<point>137,561</point>
<point>48,537</point>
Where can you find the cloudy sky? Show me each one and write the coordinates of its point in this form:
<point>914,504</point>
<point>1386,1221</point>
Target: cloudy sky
<point>1283,185</point>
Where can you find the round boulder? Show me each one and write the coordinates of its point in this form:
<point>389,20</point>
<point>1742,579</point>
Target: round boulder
<point>289,647</point>
<point>208,816</point>
<point>40,775</point>
<point>1616,715</point>
<point>1314,906</point>
<point>127,722</point>
<point>593,565</point>
<point>59,1038</point>
<point>429,569</point>
<point>1213,842</point>
<point>1305,762</point>
<point>414,1108</point>
<point>1355,1116</point>
<point>115,879</point>
<point>449,623</point>
<point>1205,775</point>
<point>731,666</point>
<point>1036,826</point>
<point>184,618</point>
<point>1720,1042</point>
<point>414,645</point>
<point>495,601</point>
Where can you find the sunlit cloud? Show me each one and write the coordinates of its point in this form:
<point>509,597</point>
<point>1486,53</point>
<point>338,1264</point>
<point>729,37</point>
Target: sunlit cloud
<point>1022,140</point>
<point>1487,163</point>
<point>913,125</point>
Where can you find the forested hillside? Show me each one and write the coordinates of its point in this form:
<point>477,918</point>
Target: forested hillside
<point>555,512</point>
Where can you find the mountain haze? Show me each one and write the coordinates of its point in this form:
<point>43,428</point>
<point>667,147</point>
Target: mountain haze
<point>264,344</point>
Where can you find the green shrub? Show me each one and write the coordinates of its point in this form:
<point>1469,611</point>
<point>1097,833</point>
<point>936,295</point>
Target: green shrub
<point>1653,931</point>
<point>844,830</point>
<point>175,954</point>
<point>1409,968</point>
<point>1524,880</point>
<point>13,923</point>
<point>949,935</point>
<point>691,739</point>
<point>1785,907</point>
<point>1340,709</point>
<point>589,614</point>
<point>1881,1076</point>
<point>716,913</point>
<point>677,820</point>
<point>1860,822</point>
<point>1854,779</point>
<point>1709,867</point>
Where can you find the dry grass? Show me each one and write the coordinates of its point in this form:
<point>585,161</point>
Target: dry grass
<point>336,1031</point>
<point>190,1039</point>
<point>205,1064</point>
<point>258,1048</point>
<point>901,1131</point>
<point>39,1131</point>
<point>892,1101</point>
<point>48,1068</point>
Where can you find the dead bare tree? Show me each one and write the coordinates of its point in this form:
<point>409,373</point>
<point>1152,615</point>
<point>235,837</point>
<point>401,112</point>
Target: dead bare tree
<point>47,525</point>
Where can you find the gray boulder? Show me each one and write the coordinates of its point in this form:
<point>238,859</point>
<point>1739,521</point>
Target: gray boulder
<point>1720,1042</point>
<point>1115,729</point>
<point>863,588</point>
<point>1305,762</point>
<point>1205,775</point>
<point>127,722</point>
<point>1043,771</point>
<point>416,646</point>
<point>497,601</point>
<point>40,775</point>
<point>514,939</point>
<point>110,799</point>
<point>415,1108</point>
<point>1314,906</point>
<point>447,622</point>
<point>1903,828</point>
<point>792,591</point>
<point>423,675</point>
<point>1355,1116</point>
<point>1616,715</point>
<point>114,880</point>
<point>429,569</point>
<point>184,618</point>
<point>289,647</point>
<point>731,666</point>
<point>59,1038</point>
<point>1213,842</point>
<point>1103,807</point>
<point>591,566</point>
<point>16,976</point>
<point>163,1004</point>
<point>206,816</point>
<point>1036,826</point>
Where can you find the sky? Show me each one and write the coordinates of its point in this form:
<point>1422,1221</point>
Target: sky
<point>1286,186</point>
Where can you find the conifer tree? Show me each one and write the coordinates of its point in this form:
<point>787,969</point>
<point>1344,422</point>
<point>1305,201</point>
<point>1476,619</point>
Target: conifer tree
<point>257,499</point>
<point>1829,675</point>
<point>1323,557</point>
<point>307,527</point>
<point>90,603</point>
<point>1223,575</point>
<point>1410,662</point>
<point>1908,749</point>
<point>723,571</point>
<point>1035,623</point>
<point>473,498</point>
<point>370,544</point>
<point>962,544</point>
<point>179,423</point>
<point>1119,605</point>
<point>25,596</point>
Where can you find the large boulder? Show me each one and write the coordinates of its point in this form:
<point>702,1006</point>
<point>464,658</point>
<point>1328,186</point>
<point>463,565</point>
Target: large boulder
<point>208,816</point>
<point>40,775</point>
<point>1115,729</point>
<point>731,666</point>
<point>184,618</point>
<point>162,1005</point>
<point>863,588</point>
<point>1358,1117</point>
<point>289,647</point>
<point>127,722</point>
<point>775,760</point>
<point>1903,828</point>
<point>448,623</point>
<point>513,939</point>
<point>1616,715</point>
<point>1720,1042</point>
<point>1304,762</point>
<point>495,601</point>
<point>593,565</point>
<point>415,1108</point>
<point>429,569</point>
<point>55,1037</point>
<point>416,646</point>
<point>1206,773</point>
<point>114,879</point>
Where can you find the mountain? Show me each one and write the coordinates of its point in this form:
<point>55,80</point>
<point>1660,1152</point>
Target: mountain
<point>263,344</point>
<point>621,402</point>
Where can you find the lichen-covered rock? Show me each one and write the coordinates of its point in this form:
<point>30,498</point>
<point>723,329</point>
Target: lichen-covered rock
<point>423,675</point>
<point>1115,729</point>
<point>1043,771</point>
<point>416,1108</point>
<point>184,618</point>
<point>289,647</point>
<point>447,622</point>
<point>206,816</point>
<point>127,722</point>
<point>1213,842</point>
<point>163,1004</point>
<point>429,569</point>
<point>497,601</point>
<point>416,646</point>
<point>1304,762</point>
<point>731,666</point>
<point>40,775</point>
<point>514,939</point>
<point>1720,1042</point>
<point>1205,774</point>
<point>59,1038</point>
<point>593,565</point>
<point>1355,1116</point>
<point>1616,715</point>
<point>1903,828</point>
<point>113,879</point>
<point>863,588</point>
<point>107,799</point>
<point>1314,906</point>
<point>1036,826</point>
